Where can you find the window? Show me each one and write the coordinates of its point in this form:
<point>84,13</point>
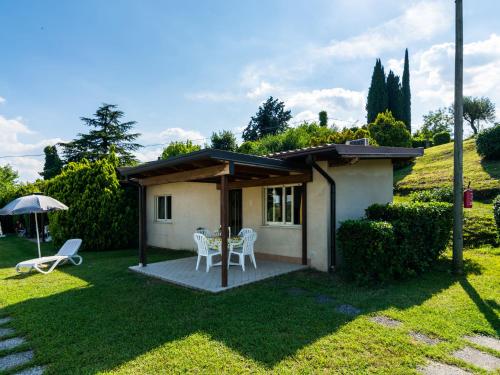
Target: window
<point>163,208</point>
<point>283,205</point>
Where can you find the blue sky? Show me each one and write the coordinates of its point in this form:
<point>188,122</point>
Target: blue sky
<point>184,69</point>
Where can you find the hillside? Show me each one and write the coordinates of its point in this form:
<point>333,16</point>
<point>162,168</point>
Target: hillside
<point>435,169</point>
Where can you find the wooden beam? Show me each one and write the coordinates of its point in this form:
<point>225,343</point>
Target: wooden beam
<point>142,226</point>
<point>281,180</point>
<point>224,219</point>
<point>259,171</point>
<point>304,223</point>
<point>191,175</point>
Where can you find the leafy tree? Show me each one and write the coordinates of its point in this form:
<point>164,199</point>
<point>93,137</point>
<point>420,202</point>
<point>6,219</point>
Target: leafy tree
<point>8,182</point>
<point>271,118</point>
<point>323,118</point>
<point>53,164</point>
<point>394,96</point>
<point>441,138</point>
<point>436,122</point>
<point>108,131</point>
<point>478,109</point>
<point>176,148</point>
<point>387,131</point>
<point>406,93</point>
<point>225,140</point>
<point>377,100</point>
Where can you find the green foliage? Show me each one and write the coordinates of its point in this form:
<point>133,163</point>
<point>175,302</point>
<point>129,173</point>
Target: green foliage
<point>53,163</point>
<point>421,232</point>
<point>496,212</point>
<point>271,118</point>
<point>443,194</point>
<point>368,249</point>
<point>108,131</point>
<point>441,138</point>
<point>323,118</point>
<point>8,183</point>
<point>387,131</point>
<point>101,211</point>
<point>406,93</point>
<point>420,142</point>
<point>377,100</point>
<point>224,140</point>
<point>394,96</point>
<point>479,229</point>
<point>177,148</point>
<point>438,121</point>
<point>488,143</point>
<point>478,109</point>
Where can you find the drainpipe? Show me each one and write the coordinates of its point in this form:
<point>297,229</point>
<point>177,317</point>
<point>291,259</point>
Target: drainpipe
<point>332,255</point>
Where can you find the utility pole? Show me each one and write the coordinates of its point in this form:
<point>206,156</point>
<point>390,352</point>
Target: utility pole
<point>458,182</point>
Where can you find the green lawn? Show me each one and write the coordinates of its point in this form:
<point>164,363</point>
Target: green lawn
<point>101,318</point>
<point>435,169</point>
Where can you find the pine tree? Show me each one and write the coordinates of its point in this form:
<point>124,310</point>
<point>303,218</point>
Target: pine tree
<point>53,164</point>
<point>271,118</point>
<point>394,96</point>
<point>377,94</point>
<point>406,93</point>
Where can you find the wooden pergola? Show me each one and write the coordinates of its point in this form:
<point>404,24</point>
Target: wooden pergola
<point>228,170</point>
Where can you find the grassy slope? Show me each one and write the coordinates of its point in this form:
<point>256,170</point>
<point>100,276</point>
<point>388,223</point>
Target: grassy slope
<point>101,318</point>
<point>435,169</point>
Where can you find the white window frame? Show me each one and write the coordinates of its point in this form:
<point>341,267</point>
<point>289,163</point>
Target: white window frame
<point>166,220</point>
<point>283,209</point>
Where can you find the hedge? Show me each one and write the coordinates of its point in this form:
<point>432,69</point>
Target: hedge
<point>496,212</point>
<point>441,138</point>
<point>444,194</point>
<point>101,211</point>
<point>488,143</point>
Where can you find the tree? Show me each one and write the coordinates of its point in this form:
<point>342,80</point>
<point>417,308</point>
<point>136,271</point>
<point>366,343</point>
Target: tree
<point>323,118</point>
<point>177,148</point>
<point>225,140</point>
<point>406,93</point>
<point>387,131</point>
<point>53,163</point>
<point>109,131</point>
<point>8,182</point>
<point>394,96</point>
<point>271,118</point>
<point>377,93</point>
<point>478,109</point>
<point>436,122</point>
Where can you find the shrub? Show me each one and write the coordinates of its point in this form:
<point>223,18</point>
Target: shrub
<point>387,131</point>
<point>367,249</point>
<point>488,143</point>
<point>421,230</point>
<point>421,142</point>
<point>441,138</point>
<point>101,211</point>
<point>496,212</point>
<point>444,194</point>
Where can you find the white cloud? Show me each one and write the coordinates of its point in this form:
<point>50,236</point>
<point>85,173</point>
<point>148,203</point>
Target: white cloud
<point>263,89</point>
<point>212,96</point>
<point>2,100</point>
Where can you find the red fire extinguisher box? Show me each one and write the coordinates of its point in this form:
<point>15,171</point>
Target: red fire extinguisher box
<point>468,196</point>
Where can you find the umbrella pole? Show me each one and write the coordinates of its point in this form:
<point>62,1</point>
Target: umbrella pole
<point>37,236</point>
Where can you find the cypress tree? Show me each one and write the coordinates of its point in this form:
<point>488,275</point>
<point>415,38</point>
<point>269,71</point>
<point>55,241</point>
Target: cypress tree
<point>406,93</point>
<point>377,94</point>
<point>394,96</point>
<point>53,164</point>
<point>323,118</point>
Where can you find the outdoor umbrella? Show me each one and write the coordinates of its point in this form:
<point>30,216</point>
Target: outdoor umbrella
<point>33,204</point>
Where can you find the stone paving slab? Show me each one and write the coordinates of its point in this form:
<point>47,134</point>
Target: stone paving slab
<point>37,370</point>
<point>478,358</point>
<point>436,368</point>
<point>418,336</point>
<point>486,341</point>
<point>323,299</point>
<point>14,360</point>
<point>6,332</point>
<point>5,320</point>
<point>348,310</point>
<point>386,321</point>
<point>11,343</point>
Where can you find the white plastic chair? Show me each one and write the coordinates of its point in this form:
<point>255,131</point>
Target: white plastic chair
<point>247,249</point>
<point>204,250</point>
<point>244,231</point>
<point>68,252</point>
<point>204,231</point>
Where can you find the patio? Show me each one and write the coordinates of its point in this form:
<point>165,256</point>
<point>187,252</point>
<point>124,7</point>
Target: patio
<point>182,272</point>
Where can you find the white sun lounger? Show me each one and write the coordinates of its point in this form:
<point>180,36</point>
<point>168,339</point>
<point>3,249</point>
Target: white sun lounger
<point>68,252</point>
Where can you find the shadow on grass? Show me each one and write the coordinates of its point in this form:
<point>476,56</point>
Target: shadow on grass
<point>402,170</point>
<point>492,167</point>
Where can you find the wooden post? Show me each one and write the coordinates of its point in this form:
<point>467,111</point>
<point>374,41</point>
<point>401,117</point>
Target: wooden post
<point>224,203</point>
<point>304,223</point>
<point>142,227</point>
<point>458,188</point>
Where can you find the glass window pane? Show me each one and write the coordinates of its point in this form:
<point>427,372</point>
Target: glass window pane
<point>278,204</point>
<point>269,204</point>
<point>169,207</point>
<point>288,204</point>
<point>160,208</point>
<point>297,204</point>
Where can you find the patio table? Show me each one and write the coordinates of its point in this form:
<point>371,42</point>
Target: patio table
<point>216,242</point>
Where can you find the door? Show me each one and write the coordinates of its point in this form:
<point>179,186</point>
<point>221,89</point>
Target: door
<point>235,210</point>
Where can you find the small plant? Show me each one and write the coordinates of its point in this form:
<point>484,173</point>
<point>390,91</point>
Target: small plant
<point>441,138</point>
<point>488,143</point>
<point>444,194</point>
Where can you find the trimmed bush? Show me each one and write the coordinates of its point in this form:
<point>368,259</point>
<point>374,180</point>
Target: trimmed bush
<point>444,194</point>
<point>441,138</point>
<point>496,212</point>
<point>421,231</point>
<point>101,211</point>
<point>367,249</point>
<point>421,142</point>
<point>488,143</point>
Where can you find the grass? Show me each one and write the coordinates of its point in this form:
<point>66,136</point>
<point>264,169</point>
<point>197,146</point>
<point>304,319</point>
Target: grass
<point>435,169</point>
<point>102,318</point>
